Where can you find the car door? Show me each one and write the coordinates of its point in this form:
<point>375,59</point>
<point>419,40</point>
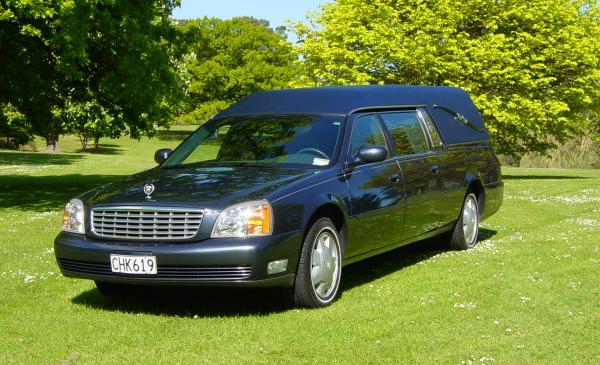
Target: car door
<point>376,192</point>
<point>419,163</point>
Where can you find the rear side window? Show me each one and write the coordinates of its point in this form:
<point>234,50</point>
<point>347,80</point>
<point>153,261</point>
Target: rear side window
<point>436,141</point>
<point>406,132</point>
<point>366,132</point>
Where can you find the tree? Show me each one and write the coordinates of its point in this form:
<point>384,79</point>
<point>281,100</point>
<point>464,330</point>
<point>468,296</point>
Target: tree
<point>13,126</point>
<point>116,54</point>
<point>531,67</point>
<point>89,121</point>
<point>229,59</point>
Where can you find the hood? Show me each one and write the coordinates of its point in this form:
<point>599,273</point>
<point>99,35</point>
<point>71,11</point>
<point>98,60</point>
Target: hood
<point>203,187</point>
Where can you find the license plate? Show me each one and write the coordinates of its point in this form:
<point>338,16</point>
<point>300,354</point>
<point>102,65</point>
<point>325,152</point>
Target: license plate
<point>141,265</point>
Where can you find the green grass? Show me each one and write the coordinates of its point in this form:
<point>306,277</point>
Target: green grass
<point>528,293</point>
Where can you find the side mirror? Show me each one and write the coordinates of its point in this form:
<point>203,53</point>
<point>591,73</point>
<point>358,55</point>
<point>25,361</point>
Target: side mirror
<point>161,155</point>
<point>370,154</point>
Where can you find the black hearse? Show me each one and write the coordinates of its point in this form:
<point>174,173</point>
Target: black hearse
<point>285,187</point>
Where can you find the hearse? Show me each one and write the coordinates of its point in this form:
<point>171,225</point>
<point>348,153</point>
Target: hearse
<point>286,187</point>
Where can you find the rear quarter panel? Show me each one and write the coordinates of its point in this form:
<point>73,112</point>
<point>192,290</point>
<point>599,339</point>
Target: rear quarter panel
<point>463,164</point>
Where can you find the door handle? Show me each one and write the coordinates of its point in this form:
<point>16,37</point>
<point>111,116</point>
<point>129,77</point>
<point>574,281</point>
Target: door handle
<point>394,177</point>
<point>434,169</point>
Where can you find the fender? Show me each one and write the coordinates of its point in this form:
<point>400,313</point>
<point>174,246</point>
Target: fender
<point>295,212</point>
<point>469,179</point>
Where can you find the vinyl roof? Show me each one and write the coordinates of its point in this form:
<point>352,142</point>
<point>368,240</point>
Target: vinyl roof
<point>350,99</point>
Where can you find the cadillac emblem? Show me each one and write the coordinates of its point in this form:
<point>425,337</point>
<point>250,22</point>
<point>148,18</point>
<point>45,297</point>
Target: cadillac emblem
<point>148,190</point>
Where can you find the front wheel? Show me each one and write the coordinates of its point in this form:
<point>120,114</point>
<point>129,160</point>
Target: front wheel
<point>466,229</point>
<point>320,267</point>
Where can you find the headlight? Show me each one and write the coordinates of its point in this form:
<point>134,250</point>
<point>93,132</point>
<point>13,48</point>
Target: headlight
<point>244,220</point>
<point>72,220</point>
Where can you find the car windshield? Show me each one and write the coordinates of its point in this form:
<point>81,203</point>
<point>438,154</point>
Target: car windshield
<point>308,140</point>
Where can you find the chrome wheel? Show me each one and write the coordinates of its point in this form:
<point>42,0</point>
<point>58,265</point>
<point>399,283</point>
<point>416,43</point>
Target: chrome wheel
<point>325,264</point>
<point>470,220</point>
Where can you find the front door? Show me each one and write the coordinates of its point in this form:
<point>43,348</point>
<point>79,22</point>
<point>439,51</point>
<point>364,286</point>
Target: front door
<point>376,192</point>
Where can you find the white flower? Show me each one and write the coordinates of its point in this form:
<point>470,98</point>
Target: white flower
<point>466,305</point>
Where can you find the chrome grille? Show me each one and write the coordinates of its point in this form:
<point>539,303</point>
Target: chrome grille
<point>146,223</point>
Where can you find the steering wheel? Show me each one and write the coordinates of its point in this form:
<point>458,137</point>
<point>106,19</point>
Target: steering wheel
<point>314,151</point>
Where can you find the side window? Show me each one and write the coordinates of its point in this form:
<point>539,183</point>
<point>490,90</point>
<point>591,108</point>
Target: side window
<point>366,132</point>
<point>436,141</point>
<point>406,132</point>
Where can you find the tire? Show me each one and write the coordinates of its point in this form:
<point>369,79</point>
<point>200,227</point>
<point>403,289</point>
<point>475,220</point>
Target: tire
<point>466,229</point>
<point>320,267</point>
<point>111,289</point>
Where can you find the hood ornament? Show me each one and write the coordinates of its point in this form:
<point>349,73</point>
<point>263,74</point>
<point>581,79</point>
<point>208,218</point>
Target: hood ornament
<point>148,190</point>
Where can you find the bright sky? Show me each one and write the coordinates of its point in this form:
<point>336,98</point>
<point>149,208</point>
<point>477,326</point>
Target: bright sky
<point>275,11</point>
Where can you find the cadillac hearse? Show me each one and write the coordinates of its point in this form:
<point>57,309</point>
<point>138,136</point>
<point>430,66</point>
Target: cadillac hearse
<point>286,187</point>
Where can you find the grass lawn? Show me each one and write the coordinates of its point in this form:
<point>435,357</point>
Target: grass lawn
<point>529,293</point>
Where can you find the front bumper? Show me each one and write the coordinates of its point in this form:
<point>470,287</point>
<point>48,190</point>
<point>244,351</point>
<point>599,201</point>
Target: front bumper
<point>221,262</point>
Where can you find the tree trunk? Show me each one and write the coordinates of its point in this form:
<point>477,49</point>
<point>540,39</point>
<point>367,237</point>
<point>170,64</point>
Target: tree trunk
<point>96,143</point>
<point>52,142</point>
<point>84,141</point>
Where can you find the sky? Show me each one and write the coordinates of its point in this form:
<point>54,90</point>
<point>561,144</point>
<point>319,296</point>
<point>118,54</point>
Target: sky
<point>275,11</point>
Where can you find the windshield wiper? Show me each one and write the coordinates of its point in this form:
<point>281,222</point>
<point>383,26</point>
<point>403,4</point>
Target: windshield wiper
<point>254,164</point>
<point>222,164</point>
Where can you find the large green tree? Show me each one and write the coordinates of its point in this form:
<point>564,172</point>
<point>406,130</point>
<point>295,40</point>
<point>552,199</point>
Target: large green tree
<point>531,66</point>
<point>116,55</point>
<point>229,59</point>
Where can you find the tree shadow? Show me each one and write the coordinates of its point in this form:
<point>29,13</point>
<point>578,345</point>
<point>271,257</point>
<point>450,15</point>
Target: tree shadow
<point>234,302</point>
<point>46,193</point>
<point>173,135</point>
<point>542,177</point>
<point>37,158</point>
<point>103,149</point>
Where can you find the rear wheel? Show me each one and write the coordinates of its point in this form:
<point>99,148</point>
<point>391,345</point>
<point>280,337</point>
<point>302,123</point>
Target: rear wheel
<point>320,267</point>
<point>466,229</point>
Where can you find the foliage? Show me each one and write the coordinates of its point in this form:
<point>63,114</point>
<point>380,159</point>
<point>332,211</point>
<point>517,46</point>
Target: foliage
<point>89,121</point>
<point>229,59</point>
<point>532,67</point>
<point>580,152</point>
<point>13,126</point>
<point>115,54</point>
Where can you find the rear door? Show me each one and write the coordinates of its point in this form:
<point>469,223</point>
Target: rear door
<point>418,158</point>
<point>376,192</point>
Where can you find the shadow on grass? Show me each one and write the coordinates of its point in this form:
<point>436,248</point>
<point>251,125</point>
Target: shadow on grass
<point>219,302</point>
<point>36,158</point>
<point>191,301</point>
<point>172,135</point>
<point>542,177</point>
<point>46,193</point>
<point>103,149</point>
<point>365,271</point>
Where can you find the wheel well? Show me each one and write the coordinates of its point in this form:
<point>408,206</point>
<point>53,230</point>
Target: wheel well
<point>476,187</point>
<point>336,215</point>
